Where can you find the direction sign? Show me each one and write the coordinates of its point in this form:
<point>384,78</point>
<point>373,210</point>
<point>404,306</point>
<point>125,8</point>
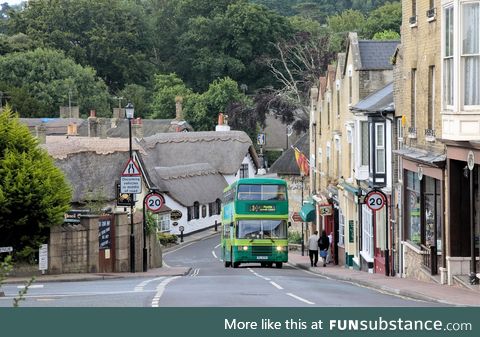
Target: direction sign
<point>261,139</point>
<point>131,169</point>
<point>43,257</point>
<point>132,185</point>
<point>154,202</point>
<point>375,200</point>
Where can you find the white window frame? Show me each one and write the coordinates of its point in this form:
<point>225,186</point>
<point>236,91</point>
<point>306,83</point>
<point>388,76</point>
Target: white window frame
<point>163,222</point>
<point>380,147</point>
<point>448,104</point>
<point>463,56</point>
<point>367,232</point>
<point>341,228</point>
<point>400,144</point>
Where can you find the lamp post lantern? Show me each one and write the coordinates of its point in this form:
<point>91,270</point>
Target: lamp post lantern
<point>129,111</point>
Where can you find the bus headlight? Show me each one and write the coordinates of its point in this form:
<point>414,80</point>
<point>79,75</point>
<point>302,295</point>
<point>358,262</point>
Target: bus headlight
<point>280,248</point>
<point>245,248</point>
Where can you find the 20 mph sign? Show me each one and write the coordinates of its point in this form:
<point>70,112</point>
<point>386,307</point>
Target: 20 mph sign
<point>375,200</point>
<point>154,202</point>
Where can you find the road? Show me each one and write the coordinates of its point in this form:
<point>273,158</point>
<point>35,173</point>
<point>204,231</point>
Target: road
<point>209,284</point>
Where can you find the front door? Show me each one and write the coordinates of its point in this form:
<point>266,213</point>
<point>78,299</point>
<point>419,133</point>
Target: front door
<point>106,244</point>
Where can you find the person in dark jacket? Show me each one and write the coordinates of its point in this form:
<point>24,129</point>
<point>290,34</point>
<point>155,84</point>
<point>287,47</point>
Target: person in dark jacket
<point>323,245</point>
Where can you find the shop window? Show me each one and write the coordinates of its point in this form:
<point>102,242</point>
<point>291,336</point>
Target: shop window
<point>412,207</point>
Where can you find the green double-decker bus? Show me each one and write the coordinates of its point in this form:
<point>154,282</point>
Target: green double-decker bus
<point>254,218</point>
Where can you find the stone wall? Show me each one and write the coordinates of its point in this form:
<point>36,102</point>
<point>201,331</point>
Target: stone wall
<point>413,261</point>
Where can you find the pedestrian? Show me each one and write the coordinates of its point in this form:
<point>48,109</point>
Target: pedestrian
<point>329,252</point>
<point>313,248</point>
<point>323,244</point>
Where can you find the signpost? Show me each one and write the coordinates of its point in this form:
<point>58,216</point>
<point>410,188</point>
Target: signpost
<point>43,258</point>
<point>154,202</point>
<point>376,200</point>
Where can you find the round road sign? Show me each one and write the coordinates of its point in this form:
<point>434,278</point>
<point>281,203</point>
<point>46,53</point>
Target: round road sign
<point>375,200</point>
<point>154,202</point>
<point>181,228</point>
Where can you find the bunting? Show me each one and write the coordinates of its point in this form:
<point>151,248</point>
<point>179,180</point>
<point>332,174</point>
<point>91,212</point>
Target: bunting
<point>302,162</point>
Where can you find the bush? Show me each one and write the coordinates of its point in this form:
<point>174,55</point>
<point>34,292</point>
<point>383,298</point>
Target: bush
<point>166,238</point>
<point>294,237</point>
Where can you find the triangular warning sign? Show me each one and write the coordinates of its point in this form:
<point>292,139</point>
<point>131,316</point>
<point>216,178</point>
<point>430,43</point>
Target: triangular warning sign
<point>131,169</point>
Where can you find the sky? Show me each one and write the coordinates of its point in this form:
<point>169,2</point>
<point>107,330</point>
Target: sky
<point>11,2</point>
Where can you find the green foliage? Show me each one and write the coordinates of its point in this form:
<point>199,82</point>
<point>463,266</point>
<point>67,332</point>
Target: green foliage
<point>151,223</point>
<point>339,25</point>
<point>23,292</point>
<point>111,36</point>
<point>139,96</point>
<point>167,87</point>
<point>166,238</point>
<point>294,237</point>
<point>40,81</point>
<point>6,267</point>
<point>33,192</point>
<point>386,17</point>
<point>386,35</point>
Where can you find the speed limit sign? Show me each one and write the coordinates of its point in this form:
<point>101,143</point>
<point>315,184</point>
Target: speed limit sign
<point>154,202</point>
<point>375,200</point>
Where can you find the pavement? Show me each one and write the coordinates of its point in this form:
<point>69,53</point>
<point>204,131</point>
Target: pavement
<point>406,287</point>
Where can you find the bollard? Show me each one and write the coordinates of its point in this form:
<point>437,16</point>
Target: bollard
<point>181,236</point>
<point>216,225</point>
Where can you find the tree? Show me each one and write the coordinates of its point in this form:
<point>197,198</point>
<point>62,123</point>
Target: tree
<point>339,26</point>
<point>386,17</point>
<point>386,35</point>
<point>299,64</point>
<point>41,80</point>
<point>112,36</point>
<point>34,194</point>
<point>167,87</point>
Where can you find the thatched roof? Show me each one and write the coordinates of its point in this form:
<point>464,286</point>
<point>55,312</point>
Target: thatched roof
<point>287,164</point>
<point>190,183</point>
<point>150,127</point>
<point>59,147</point>
<point>224,150</point>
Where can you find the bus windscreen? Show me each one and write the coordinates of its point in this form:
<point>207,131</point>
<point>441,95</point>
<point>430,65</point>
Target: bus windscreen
<point>261,229</point>
<point>261,192</point>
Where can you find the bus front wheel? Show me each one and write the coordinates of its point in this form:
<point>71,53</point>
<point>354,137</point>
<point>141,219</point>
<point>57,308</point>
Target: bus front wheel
<point>236,264</point>
<point>278,265</point>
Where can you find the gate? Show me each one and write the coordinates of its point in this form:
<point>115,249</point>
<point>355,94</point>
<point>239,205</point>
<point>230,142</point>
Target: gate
<point>106,243</point>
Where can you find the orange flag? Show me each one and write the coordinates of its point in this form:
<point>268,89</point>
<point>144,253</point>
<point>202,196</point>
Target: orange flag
<point>302,162</point>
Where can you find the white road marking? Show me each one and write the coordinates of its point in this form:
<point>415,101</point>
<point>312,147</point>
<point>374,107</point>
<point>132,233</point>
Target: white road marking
<point>195,272</point>
<point>214,255</point>
<point>217,245</point>
<point>299,298</point>
<point>33,286</point>
<point>161,289</point>
<point>275,285</point>
<point>139,287</point>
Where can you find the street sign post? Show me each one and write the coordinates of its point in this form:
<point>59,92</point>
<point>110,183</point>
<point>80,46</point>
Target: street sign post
<point>376,200</point>
<point>6,249</point>
<point>154,202</point>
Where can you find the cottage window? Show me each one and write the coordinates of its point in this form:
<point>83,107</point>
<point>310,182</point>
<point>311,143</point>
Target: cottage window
<point>204,211</point>
<point>196,210</point>
<point>244,171</point>
<point>162,222</point>
<point>448,57</point>
<point>218,202</point>
<point>471,53</point>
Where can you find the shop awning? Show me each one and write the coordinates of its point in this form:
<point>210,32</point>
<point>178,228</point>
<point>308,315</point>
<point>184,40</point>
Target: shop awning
<point>422,156</point>
<point>307,213</point>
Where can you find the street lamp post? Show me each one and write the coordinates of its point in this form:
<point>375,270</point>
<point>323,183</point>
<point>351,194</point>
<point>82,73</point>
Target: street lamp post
<point>129,111</point>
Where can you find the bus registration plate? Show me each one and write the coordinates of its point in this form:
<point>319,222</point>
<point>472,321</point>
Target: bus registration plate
<point>262,257</point>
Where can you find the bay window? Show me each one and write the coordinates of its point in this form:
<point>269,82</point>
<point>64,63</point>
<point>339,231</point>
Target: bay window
<point>448,57</point>
<point>471,52</point>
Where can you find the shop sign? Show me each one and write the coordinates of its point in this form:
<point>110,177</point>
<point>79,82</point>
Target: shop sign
<point>176,215</point>
<point>325,210</point>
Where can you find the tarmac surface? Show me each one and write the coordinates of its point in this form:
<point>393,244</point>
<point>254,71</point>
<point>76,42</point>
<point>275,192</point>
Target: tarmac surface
<point>411,288</point>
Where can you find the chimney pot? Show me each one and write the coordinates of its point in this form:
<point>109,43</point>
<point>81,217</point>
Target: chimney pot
<point>178,108</point>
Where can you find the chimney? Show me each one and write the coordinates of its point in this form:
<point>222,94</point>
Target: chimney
<point>41,133</point>
<point>103,125</point>
<point>178,108</point>
<point>72,129</point>
<point>222,123</point>
<point>118,113</point>
<point>92,125</point>
<point>137,128</point>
